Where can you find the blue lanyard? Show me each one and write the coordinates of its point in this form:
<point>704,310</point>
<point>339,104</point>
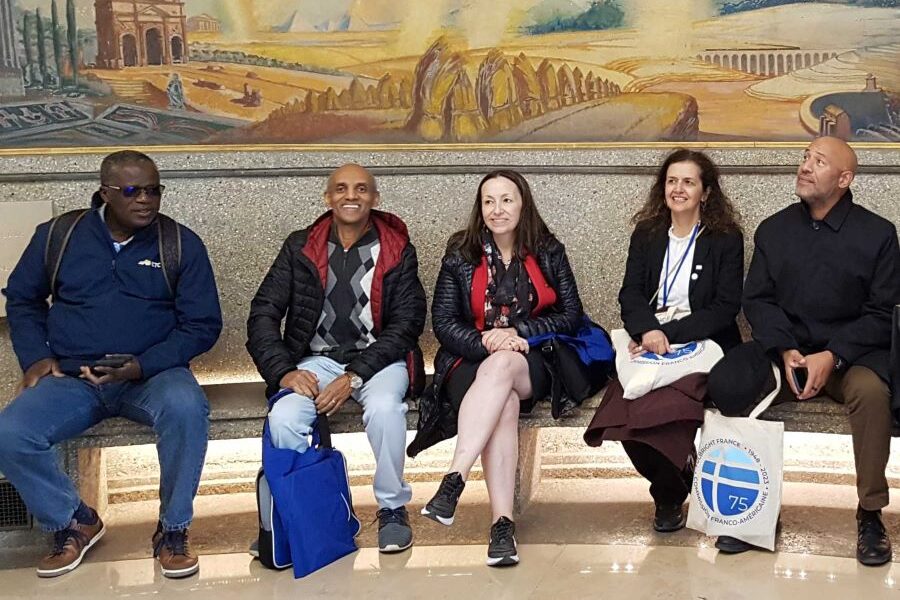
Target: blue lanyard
<point>666,288</point>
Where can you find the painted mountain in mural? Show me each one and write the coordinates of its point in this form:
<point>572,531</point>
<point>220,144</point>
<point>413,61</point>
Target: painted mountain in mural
<point>366,15</point>
<point>297,23</point>
<point>727,7</point>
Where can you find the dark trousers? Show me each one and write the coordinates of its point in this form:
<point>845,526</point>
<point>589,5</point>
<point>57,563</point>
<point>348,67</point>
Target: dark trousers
<point>669,485</point>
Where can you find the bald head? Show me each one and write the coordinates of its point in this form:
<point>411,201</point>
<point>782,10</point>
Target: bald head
<point>828,167</point>
<point>838,150</point>
<point>351,194</point>
<point>351,172</point>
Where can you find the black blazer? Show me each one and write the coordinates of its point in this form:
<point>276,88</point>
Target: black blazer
<point>714,294</point>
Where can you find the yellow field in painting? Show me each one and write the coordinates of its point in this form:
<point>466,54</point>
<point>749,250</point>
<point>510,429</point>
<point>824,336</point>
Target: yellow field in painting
<point>278,87</point>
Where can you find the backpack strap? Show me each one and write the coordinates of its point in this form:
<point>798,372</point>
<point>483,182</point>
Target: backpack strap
<point>169,250</point>
<point>61,229</point>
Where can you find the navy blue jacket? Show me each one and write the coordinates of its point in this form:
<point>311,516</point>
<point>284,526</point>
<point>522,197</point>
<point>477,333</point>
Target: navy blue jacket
<point>109,303</point>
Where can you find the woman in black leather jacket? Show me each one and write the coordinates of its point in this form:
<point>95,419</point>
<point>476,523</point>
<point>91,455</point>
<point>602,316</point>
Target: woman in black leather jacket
<point>504,279</point>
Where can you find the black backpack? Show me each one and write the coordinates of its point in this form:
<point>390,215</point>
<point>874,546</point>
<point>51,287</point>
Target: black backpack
<point>61,229</point>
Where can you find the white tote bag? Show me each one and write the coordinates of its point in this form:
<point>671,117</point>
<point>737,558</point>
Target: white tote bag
<point>737,480</point>
<point>649,371</point>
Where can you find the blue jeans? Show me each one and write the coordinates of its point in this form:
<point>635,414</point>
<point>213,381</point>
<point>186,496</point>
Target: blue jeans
<point>58,409</point>
<point>384,417</point>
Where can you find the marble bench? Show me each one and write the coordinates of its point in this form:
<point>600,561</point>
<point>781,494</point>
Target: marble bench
<point>237,411</point>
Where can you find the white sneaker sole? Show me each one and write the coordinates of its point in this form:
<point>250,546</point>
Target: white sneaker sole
<point>74,564</point>
<point>503,561</point>
<point>394,548</point>
<point>179,573</point>
<point>448,521</point>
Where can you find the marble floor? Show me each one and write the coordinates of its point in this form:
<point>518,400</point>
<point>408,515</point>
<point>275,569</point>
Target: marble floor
<point>578,539</point>
<point>434,572</point>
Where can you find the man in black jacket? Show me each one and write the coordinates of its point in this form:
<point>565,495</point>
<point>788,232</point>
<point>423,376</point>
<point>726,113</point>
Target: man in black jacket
<point>349,289</point>
<point>824,278</point>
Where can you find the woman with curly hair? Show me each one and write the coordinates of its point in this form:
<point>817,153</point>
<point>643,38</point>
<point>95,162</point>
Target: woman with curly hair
<point>686,253</point>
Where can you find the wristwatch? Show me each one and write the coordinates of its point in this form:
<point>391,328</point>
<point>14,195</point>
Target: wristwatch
<point>839,363</point>
<point>356,381</point>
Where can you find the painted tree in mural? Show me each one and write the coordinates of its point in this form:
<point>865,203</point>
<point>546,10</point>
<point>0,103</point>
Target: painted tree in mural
<point>72,33</point>
<point>42,50</point>
<point>28,67</point>
<point>57,43</point>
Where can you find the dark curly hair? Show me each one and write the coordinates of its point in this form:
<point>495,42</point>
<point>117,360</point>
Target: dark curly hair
<point>531,232</point>
<point>717,213</point>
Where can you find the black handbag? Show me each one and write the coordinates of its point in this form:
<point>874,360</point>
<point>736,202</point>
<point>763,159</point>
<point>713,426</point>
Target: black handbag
<point>571,380</point>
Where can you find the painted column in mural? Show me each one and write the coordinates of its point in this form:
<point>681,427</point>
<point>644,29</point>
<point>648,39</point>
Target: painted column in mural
<point>182,33</point>
<point>11,83</point>
<point>109,54</point>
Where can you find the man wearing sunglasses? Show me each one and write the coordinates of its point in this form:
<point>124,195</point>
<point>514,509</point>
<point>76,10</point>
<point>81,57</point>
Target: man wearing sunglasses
<point>116,341</point>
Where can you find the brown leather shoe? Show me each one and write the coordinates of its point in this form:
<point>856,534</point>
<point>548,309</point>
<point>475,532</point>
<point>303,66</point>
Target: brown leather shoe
<point>173,550</point>
<point>69,547</point>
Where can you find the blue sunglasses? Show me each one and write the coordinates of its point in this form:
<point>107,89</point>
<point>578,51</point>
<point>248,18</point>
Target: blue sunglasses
<point>133,191</point>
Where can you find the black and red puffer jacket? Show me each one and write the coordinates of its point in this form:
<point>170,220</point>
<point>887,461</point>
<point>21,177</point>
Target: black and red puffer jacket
<point>293,291</point>
<point>457,316</point>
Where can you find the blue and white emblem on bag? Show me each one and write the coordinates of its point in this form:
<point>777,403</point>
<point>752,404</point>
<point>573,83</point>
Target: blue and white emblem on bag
<point>734,485</point>
<point>678,354</point>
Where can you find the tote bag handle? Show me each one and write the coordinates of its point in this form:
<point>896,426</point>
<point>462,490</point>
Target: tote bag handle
<point>768,400</point>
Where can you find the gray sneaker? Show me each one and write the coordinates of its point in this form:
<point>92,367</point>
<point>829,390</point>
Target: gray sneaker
<point>394,533</point>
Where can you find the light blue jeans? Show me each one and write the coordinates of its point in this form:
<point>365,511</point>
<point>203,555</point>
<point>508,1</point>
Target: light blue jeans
<point>60,408</point>
<point>384,417</point>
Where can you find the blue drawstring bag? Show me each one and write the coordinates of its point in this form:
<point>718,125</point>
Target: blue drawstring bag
<point>590,342</point>
<point>312,510</point>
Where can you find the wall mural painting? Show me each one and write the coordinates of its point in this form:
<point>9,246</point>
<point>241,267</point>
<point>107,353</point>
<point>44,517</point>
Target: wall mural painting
<point>77,73</point>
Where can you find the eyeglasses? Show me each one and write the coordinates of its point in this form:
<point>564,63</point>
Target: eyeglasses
<point>133,191</point>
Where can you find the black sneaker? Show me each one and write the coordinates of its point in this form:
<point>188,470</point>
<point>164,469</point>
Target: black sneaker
<point>669,518</point>
<point>443,505</point>
<point>394,533</point>
<point>873,546</point>
<point>502,550</point>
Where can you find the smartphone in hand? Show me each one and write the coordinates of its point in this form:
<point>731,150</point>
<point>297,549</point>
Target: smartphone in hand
<point>114,361</point>
<point>800,375</point>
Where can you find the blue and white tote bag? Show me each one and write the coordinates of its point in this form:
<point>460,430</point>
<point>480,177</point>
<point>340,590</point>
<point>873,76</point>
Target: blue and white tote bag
<point>737,480</point>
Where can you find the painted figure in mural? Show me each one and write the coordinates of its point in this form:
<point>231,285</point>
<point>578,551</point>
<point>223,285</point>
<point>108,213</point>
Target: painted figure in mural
<point>504,279</point>
<point>823,280</point>
<point>349,288</point>
<point>175,91</point>
<point>687,252</point>
<point>252,97</point>
<point>110,346</point>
